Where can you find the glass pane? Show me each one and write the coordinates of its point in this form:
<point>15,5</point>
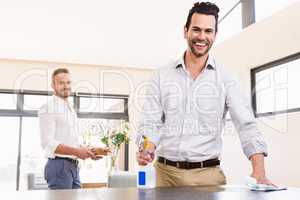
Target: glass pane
<point>33,160</point>
<point>35,102</point>
<point>8,101</point>
<point>277,88</point>
<point>9,127</point>
<point>91,131</point>
<point>266,8</point>
<point>293,84</point>
<point>113,105</point>
<point>92,104</point>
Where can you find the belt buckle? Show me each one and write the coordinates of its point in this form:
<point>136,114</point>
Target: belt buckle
<point>76,162</point>
<point>184,165</point>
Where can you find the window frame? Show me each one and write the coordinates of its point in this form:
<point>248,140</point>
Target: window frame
<point>263,67</point>
<point>20,112</point>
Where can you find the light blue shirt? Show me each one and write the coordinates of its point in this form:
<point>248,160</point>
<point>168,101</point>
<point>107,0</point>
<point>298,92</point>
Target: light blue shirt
<point>185,118</point>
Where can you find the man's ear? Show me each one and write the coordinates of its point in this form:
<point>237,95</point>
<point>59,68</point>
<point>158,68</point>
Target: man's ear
<point>185,30</point>
<point>52,84</point>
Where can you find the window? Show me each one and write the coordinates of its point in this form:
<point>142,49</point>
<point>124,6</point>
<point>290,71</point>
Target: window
<point>9,152</point>
<point>20,148</point>
<point>96,104</point>
<point>8,101</point>
<point>32,157</point>
<point>275,87</point>
<point>34,102</point>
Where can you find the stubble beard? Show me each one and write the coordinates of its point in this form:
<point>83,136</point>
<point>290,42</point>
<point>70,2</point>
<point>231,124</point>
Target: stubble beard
<point>195,52</point>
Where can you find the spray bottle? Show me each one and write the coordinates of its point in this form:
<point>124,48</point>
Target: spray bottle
<point>146,177</point>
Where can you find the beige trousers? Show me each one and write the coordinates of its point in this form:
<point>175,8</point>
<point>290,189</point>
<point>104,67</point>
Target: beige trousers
<point>169,176</point>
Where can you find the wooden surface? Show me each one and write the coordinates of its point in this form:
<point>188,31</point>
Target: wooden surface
<point>93,185</point>
<point>180,193</point>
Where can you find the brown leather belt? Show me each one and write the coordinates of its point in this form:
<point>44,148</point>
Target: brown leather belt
<point>76,162</point>
<point>189,165</point>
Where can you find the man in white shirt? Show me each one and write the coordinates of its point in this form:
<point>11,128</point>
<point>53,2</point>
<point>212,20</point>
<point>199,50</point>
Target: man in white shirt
<point>185,112</point>
<point>60,136</point>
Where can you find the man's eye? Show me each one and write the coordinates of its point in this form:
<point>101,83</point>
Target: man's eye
<point>196,30</point>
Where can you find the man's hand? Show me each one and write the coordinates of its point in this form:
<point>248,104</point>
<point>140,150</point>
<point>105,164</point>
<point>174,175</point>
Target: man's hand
<point>145,157</point>
<point>262,179</point>
<point>99,152</point>
<point>259,169</point>
<point>84,153</point>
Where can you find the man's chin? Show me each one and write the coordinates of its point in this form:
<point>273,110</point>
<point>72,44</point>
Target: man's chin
<point>199,54</point>
<point>64,95</point>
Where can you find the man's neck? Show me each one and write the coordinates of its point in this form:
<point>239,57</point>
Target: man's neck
<point>195,64</point>
<point>62,98</point>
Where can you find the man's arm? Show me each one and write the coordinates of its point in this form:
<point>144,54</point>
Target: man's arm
<point>81,152</point>
<point>258,168</point>
<point>252,141</point>
<point>151,111</point>
<point>52,146</point>
<point>151,120</point>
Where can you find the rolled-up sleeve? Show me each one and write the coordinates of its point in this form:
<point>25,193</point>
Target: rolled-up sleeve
<point>151,112</point>
<point>243,119</point>
<point>47,132</point>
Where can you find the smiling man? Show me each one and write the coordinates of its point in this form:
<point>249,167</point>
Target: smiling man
<point>60,137</point>
<point>185,108</point>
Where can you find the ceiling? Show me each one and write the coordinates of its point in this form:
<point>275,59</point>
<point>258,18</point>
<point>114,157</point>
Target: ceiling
<point>133,33</point>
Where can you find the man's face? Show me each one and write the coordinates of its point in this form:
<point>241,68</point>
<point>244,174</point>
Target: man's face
<point>201,34</point>
<point>62,85</point>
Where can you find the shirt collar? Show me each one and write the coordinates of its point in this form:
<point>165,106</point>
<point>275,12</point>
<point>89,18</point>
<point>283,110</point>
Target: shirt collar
<point>61,101</point>
<point>210,64</point>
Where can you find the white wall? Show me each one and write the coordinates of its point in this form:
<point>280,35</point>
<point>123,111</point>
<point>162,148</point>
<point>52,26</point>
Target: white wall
<point>139,33</point>
<point>268,40</point>
<point>20,74</point>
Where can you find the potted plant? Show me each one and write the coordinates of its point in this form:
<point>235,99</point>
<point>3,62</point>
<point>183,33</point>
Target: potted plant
<point>113,140</point>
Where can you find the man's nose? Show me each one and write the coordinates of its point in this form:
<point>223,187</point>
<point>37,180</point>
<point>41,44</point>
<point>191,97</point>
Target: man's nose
<point>201,35</point>
<point>66,87</point>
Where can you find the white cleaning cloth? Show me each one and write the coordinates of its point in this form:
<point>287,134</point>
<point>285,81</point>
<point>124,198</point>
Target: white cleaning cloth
<point>253,185</point>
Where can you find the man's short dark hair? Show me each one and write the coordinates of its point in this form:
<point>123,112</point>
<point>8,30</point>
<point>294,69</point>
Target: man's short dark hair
<point>59,71</point>
<point>205,8</point>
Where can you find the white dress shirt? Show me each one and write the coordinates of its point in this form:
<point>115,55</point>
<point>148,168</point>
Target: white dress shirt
<point>185,118</point>
<point>58,125</point>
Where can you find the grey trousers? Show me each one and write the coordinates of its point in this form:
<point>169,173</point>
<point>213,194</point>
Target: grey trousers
<point>62,174</point>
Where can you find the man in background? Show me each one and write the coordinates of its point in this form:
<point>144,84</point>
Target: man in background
<point>60,136</point>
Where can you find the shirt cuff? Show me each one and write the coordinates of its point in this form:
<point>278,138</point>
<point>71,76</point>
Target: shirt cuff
<point>50,148</point>
<point>154,138</point>
<point>255,147</point>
